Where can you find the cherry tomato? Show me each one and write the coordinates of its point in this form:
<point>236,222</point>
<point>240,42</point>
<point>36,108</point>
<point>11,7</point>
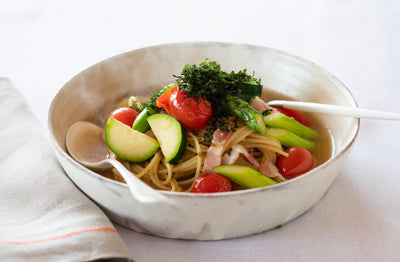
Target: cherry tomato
<point>163,100</point>
<point>212,183</point>
<point>297,115</point>
<point>299,161</point>
<point>125,115</point>
<point>192,113</point>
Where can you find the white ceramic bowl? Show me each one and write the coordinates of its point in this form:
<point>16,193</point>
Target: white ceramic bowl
<point>201,216</point>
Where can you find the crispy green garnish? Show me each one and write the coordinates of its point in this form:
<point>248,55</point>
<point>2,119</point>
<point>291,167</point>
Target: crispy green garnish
<point>207,80</point>
<point>151,104</point>
<point>267,111</point>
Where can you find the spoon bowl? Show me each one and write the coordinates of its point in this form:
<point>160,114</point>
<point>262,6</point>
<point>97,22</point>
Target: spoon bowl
<point>85,143</point>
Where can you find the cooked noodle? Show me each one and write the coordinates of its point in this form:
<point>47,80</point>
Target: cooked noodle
<point>158,173</point>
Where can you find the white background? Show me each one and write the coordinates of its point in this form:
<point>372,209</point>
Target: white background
<point>45,43</point>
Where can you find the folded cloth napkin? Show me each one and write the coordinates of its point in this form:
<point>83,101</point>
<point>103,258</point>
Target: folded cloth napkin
<point>43,216</point>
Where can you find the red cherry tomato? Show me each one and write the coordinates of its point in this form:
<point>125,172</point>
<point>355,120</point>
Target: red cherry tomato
<point>192,113</point>
<point>125,115</point>
<point>212,183</point>
<point>297,115</point>
<point>163,100</point>
<point>299,161</point>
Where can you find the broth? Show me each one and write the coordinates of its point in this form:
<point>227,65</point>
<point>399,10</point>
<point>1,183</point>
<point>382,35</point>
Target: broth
<point>323,149</point>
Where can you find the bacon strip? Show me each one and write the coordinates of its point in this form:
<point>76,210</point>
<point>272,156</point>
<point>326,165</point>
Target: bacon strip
<point>214,153</point>
<point>234,155</point>
<point>259,104</point>
<point>270,170</point>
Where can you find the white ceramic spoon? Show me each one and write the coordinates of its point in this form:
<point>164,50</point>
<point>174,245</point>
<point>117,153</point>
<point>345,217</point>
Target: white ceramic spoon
<point>85,143</point>
<point>334,110</point>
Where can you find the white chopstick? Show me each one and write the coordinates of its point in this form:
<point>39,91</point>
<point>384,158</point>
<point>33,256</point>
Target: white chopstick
<point>334,110</point>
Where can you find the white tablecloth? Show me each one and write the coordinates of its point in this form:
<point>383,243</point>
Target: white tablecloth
<point>45,43</point>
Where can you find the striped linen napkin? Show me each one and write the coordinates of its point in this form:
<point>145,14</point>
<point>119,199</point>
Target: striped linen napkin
<point>43,216</point>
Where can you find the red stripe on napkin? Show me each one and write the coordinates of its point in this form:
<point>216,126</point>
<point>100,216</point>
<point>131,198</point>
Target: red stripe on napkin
<point>59,236</point>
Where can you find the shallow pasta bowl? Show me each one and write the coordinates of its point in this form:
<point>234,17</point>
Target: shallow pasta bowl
<point>89,97</point>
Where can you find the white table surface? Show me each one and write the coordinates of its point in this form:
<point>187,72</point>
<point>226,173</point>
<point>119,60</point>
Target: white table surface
<point>45,43</point>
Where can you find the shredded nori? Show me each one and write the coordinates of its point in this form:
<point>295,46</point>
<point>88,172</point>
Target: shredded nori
<point>267,111</point>
<point>207,80</point>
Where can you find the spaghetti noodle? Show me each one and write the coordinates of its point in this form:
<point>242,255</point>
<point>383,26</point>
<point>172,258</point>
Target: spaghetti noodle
<point>215,120</point>
<point>160,174</point>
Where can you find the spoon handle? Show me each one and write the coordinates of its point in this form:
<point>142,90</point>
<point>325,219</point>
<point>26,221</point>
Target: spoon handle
<point>334,110</point>
<point>141,192</point>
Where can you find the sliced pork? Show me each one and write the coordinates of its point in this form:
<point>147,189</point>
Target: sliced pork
<point>238,149</point>
<point>270,170</point>
<point>215,151</point>
<point>259,104</point>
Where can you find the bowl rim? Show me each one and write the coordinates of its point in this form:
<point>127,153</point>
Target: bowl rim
<point>312,172</point>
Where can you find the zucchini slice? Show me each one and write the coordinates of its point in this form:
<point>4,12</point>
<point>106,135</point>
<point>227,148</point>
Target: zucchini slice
<point>171,135</point>
<point>129,144</point>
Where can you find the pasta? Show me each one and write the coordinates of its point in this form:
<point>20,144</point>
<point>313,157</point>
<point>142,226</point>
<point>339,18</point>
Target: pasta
<point>209,132</point>
<point>159,174</point>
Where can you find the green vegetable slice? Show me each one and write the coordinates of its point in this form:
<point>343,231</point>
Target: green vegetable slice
<point>247,90</point>
<point>280,120</point>
<point>171,135</point>
<point>244,111</point>
<point>289,139</point>
<point>140,124</point>
<point>129,144</point>
<point>244,176</point>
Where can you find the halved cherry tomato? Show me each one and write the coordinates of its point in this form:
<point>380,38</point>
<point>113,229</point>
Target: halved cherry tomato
<point>192,113</point>
<point>163,100</point>
<point>297,115</point>
<point>299,161</point>
<point>125,115</point>
<point>212,183</point>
